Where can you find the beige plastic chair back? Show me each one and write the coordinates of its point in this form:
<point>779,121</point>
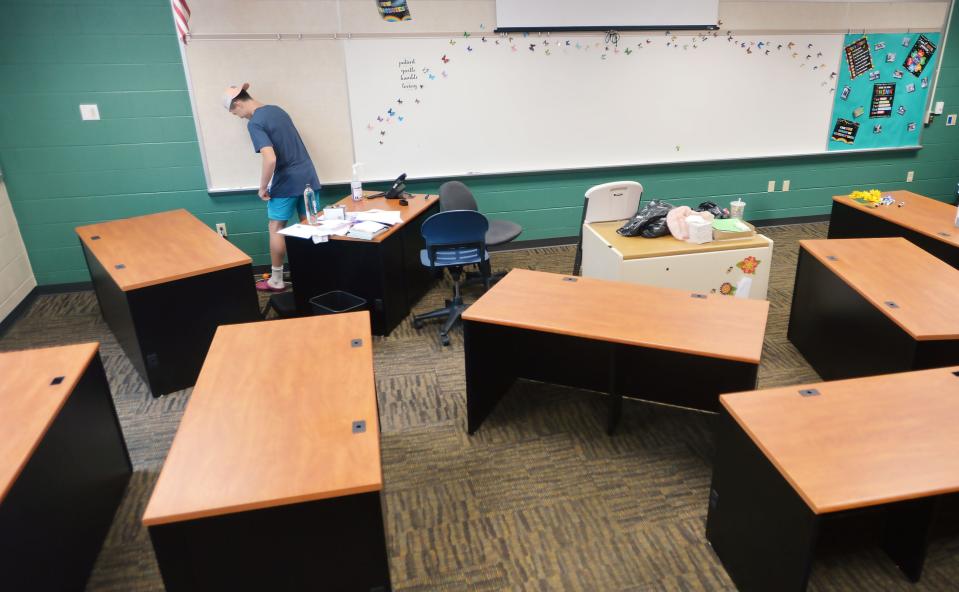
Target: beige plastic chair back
<point>612,201</point>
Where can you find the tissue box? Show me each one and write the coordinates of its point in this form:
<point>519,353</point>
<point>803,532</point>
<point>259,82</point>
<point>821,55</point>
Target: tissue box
<point>700,231</point>
<point>726,235</point>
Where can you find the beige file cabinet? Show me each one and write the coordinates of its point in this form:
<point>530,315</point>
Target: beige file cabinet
<point>717,267</point>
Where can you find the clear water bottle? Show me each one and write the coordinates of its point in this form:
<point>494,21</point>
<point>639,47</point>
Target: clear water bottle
<point>355,184</point>
<point>312,203</point>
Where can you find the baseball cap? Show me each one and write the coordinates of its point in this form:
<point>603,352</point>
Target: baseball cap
<point>231,93</point>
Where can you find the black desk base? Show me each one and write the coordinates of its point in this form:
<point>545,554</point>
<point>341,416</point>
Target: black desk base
<point>56,515</point>
<point>765,534</point>
<point>849,222</point>
<point>331,544</point>
<point>496,355</point>
<point>166,329</point>
<point>387,274</point>
<point>842,335</point>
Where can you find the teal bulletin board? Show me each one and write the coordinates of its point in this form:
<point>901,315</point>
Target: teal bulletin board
<point>881,95</point>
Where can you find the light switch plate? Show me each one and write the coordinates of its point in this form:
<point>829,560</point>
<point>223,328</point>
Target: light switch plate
<point>89,113</point>
<point>786,185</point>
<point>940,105</point>
<point>771,186</point>
<point>909,177</point>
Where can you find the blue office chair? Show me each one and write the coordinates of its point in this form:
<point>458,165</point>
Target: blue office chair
<point>454,239</point>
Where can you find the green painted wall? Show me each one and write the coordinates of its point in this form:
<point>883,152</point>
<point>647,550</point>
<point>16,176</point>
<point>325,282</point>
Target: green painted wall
<point>143,156</point>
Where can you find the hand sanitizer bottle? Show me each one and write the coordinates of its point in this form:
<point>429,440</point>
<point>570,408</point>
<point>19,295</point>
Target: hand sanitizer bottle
<point>312,204</point>
<point>355,184</point>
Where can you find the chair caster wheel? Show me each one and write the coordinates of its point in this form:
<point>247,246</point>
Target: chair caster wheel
<point>445,339</point>
<point>417,324</point>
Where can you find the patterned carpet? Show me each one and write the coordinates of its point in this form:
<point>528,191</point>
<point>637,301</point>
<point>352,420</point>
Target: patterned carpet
<point>539,499</point>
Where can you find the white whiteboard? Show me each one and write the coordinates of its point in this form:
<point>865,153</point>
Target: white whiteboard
<point>611,14</point>
<point>499,110</point>
<point>313,91</point>
<point>515,103</point>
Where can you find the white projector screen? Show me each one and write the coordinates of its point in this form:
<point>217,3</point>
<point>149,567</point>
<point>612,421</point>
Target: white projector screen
<point>533,15</point>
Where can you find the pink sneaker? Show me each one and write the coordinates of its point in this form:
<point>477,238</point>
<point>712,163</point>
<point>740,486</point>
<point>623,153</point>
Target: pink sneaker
<point>264,286</point>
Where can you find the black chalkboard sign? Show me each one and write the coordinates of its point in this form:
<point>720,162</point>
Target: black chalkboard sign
<point>858,57</point>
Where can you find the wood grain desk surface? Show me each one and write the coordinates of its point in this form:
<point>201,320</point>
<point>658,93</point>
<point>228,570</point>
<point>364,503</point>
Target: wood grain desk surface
<point>418,203</point>
<point>29,402</point>
<point>158,248</point>
<point>646,316</point>
<point>860,442</point>
<point>881,270</point>
<point>634,247</point>
<point>262,430</point>
<point>920,213</point>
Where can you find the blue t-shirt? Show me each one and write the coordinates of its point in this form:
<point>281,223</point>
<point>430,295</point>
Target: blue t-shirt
<point>271,126</point>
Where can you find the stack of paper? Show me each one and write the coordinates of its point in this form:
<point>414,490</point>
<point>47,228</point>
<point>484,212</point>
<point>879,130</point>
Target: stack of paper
<point>388,217</point>
<point>324,229</point>
<point>366,229</point>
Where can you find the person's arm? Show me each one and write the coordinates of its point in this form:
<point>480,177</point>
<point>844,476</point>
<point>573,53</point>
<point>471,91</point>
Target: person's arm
<point>269,165</point>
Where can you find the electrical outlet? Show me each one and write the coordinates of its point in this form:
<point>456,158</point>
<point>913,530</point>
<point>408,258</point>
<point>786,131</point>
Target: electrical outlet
<point>909,176</point>
<point>221,229</point>
<point>771,186</point>
<point>951,119</point>
<point>786,185</point>
<point>89,113</point>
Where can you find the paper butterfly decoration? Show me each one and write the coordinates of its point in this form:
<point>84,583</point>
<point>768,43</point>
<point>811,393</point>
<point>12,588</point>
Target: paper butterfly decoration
<point>390,112</point>
<point>399,101</point>
<point>432,76</point>
<point>400,119</point>
<point>532,47</point>
<point>378,118</point>
<point>382,132</point>
<point>444,73</point>
<point>468,48</point>
<point>445,59</point>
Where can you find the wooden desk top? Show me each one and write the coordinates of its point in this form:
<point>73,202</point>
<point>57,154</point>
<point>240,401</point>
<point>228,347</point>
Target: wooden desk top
<point>419,203</point>
<point>632,314</point>
<point>29,403</point>
<point>634,247</point>
<point>158,248</point>
<point>894,269</point>
<point>922,214</point>
<point>259,431</point>
<point>861,442</point>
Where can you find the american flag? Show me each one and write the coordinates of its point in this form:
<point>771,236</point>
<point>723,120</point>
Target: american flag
<point>181,16</point>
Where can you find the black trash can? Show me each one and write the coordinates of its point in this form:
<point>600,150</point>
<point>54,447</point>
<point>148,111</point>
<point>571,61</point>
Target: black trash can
<point>335,302</point>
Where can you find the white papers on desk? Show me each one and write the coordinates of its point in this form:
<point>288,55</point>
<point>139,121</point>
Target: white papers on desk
<point>320,232</point>
<point>388,217</point>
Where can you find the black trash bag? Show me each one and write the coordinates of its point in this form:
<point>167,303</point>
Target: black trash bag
<point>714,209</point>
<point>649,221</point>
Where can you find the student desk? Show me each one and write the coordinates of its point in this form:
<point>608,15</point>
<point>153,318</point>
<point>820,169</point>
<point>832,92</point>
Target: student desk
<point>715,268</point>
<point>63,466</point>
<point>164,283</point>
<point>873,305</point>
<point>790,458</point>
<point>658,344</point>
<point>273,481</point>
<point>386,270</point>
<point>926,222</point>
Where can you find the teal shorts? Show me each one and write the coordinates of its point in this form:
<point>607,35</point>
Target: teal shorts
<point>282,208</point>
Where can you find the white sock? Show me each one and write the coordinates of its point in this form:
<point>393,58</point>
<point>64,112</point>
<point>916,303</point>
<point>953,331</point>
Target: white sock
<point>276,279</point>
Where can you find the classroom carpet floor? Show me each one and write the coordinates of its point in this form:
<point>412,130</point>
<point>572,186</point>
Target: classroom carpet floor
<point>540,498</point>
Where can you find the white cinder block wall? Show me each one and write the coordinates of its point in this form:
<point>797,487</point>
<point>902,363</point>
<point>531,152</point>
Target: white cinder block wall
<point>16,275</point>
